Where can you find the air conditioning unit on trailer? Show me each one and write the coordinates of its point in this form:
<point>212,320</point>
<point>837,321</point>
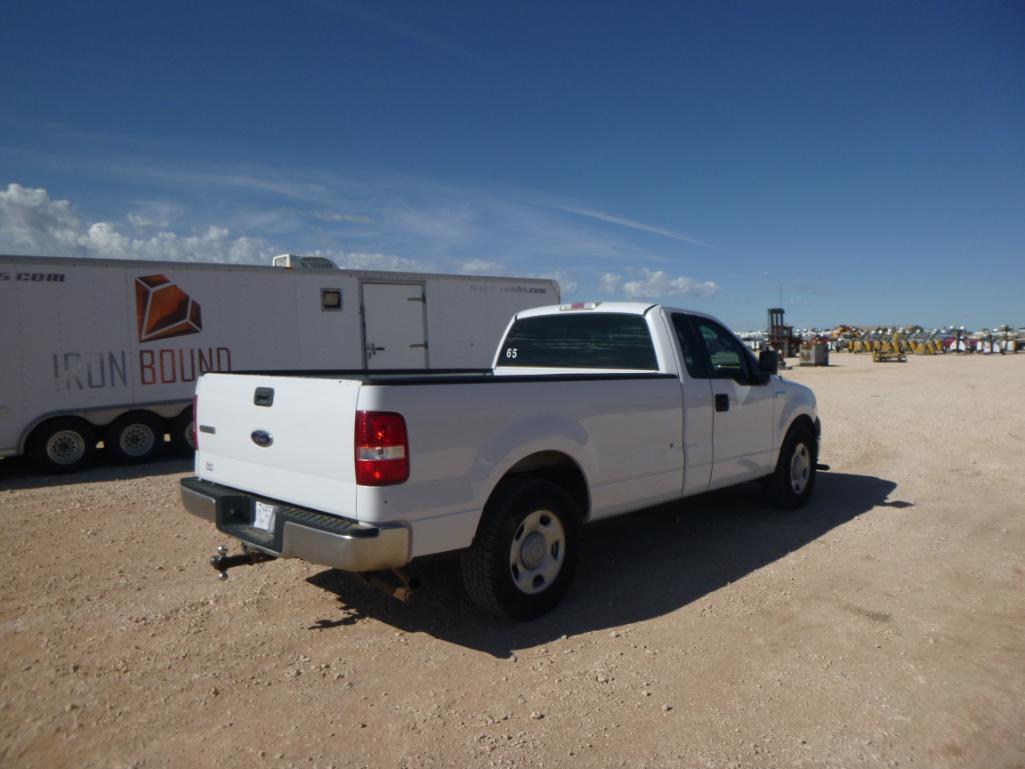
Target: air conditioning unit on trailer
<point>294,262</point>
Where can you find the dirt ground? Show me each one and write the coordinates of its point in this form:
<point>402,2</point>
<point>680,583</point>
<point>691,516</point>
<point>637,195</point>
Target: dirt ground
<point>883,625</point>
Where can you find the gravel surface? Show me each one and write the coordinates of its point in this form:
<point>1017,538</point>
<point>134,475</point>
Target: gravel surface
<point>883,625</point>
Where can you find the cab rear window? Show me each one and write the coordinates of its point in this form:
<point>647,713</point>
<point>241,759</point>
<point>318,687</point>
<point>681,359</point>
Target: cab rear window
<point>605,340</point>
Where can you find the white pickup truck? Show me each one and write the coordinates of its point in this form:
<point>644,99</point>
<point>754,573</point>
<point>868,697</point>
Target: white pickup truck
<point>589,411</point>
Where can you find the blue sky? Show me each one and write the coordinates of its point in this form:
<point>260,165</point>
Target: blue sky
<point>867,157</point>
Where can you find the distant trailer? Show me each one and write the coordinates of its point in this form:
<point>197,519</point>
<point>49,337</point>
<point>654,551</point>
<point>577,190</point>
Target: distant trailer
<point>102,349</point>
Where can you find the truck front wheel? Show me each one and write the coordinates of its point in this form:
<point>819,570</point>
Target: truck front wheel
<point>62,445</point>
<point>522,560</point>
<point>790,486</point>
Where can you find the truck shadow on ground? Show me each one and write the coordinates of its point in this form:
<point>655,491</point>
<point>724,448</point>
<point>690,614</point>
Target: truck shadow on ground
<point>632,568</point>
<point>19,473</point>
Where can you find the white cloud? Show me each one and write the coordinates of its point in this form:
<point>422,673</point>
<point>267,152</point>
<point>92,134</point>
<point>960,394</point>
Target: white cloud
<point>32,223</point>
<point>152,214</point>
<point>480,267</point>
<point>611,283</point>
<point>447,225</point>
<point>269,182</point>
<point>567,285</point>
<point>142,222</point>
<point>655,284</point>
<point>337,216</point>
<point>445,236</point>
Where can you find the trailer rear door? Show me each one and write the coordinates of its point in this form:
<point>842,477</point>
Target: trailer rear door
<point>394,331</point>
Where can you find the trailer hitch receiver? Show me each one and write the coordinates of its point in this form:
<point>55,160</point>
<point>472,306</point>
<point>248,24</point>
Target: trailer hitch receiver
<point>222,561</point>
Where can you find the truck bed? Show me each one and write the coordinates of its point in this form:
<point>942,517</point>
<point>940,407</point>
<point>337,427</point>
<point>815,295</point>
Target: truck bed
<point>466,429</point>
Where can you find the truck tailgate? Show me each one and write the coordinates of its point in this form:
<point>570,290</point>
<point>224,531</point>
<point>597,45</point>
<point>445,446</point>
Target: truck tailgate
<point>285,438</point>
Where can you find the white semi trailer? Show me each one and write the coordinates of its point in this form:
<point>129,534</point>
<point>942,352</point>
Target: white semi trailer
<point>110,350</point>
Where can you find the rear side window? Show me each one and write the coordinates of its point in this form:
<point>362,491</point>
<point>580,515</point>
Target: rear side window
<point>605,340</point>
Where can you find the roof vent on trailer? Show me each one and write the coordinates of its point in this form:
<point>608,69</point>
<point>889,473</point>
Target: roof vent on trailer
<point>294,262</point>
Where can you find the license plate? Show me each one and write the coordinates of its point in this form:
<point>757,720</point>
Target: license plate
<point>264,514</point>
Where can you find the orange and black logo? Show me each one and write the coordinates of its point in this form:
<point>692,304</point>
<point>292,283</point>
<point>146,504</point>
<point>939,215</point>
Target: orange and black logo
<point>163,310</point>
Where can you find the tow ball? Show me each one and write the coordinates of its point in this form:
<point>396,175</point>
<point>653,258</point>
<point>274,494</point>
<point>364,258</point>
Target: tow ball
<point>222,561</point>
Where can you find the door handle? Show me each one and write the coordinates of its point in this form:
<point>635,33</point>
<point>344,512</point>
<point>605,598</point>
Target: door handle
<point>722,402</point>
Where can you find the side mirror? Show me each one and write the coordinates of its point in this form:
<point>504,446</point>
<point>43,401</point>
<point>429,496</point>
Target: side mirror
<point>768,362</point>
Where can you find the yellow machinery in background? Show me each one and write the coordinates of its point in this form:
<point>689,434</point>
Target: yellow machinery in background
<point>928,347</point>
<point>890,350</point>
<point>887,343</point>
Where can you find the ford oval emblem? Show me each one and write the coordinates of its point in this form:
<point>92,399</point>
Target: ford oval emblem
<point>262,438</point>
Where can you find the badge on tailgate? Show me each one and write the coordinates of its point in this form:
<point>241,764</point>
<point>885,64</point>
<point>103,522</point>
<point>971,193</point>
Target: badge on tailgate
<point>262,438</point>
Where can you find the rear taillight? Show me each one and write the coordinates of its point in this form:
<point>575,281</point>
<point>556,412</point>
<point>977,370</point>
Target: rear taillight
<point>195,432</point>
<point>382,448</point>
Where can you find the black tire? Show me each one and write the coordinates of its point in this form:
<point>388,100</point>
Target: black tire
<point>522,559</point>
<point>183,437</point>
<point>134,437</point>
<point>791,484</point>
<point>62,445</point>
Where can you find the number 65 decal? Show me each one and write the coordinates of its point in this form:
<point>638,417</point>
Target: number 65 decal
<point>510,352</point>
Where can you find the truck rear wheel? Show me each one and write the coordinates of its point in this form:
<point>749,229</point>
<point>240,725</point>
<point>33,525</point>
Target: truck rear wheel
<point>134,437</point>
<point>790,486</point>
<point>523,556</point>
<point>62,445</point>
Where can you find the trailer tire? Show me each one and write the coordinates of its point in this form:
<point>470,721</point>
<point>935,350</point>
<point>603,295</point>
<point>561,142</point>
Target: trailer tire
<point>523,556</point>
<point>791,484</point>
<point>62,445</point>
<point>134,437</point>
<point>183,433</point>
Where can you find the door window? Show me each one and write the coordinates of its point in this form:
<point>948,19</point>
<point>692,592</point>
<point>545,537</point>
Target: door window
<point>726,355</point>
<point>689,347</point>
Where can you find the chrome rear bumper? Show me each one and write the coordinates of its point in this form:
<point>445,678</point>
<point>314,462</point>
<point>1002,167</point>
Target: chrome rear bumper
<point>309,535</point>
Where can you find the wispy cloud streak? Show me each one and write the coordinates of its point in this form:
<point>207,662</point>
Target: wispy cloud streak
<point>635,225</point>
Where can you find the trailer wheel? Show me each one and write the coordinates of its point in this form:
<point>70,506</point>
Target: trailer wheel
<point>523,556</point>
<point>790,486</point>
<point>183,432</point>
<point>134,437</point>
<point>62,445</point>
